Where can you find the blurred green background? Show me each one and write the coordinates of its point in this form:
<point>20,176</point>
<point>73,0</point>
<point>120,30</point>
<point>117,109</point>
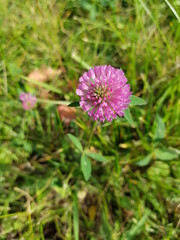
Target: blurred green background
<point>135,194</point>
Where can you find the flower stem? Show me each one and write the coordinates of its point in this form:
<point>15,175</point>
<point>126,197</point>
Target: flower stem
<point>53,101</point>
<point>92,132</point>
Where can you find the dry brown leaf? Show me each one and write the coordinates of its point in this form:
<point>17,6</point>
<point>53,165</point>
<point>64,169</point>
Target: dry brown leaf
<point>67,114</point>
<point>92,212</point>
<point>44,74</point>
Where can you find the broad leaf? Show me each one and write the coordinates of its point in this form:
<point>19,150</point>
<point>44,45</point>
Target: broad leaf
<point>144,161</point>
<point>127,115</point>
<point>76,142</point>
<point>96,157</point>
<point>158,171</point>
<point>86,166</point>
<point>160,128</point>
<point>74,104</point>
<point>165,154</point>
<point>137,101</point>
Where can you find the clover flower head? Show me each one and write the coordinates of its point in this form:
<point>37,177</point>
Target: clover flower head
<point>28,100</point>
<point>104,93</point>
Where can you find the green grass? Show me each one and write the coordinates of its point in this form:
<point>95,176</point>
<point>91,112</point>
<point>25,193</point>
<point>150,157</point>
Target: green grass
<point>135,194</point>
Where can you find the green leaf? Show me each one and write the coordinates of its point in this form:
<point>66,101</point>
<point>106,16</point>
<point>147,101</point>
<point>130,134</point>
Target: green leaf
<point>96,157</point>
<point>76,218</point>
<point>137,101</point>
<point>74,104</point>
<point>86,166</point>
<point>160,128</point>
<point>75,141</point>
<point>27,146</point>
<point>165,154</point>
<point>144,161</point>
<point>127,115</point>
<point>158,171</point>
<point>5,156</point>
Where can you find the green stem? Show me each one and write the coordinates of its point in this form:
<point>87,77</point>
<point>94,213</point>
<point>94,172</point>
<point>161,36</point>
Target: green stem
<point>38,120</point>
<point>53,101</point>
<point>92,132</point>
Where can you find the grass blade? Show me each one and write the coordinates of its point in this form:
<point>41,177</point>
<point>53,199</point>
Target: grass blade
<point>80,61</point>
<point>76,218</point>
<point>43,85</point>
<point>173,10</point>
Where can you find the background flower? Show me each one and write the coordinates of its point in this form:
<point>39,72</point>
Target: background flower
<point>28,100</point>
